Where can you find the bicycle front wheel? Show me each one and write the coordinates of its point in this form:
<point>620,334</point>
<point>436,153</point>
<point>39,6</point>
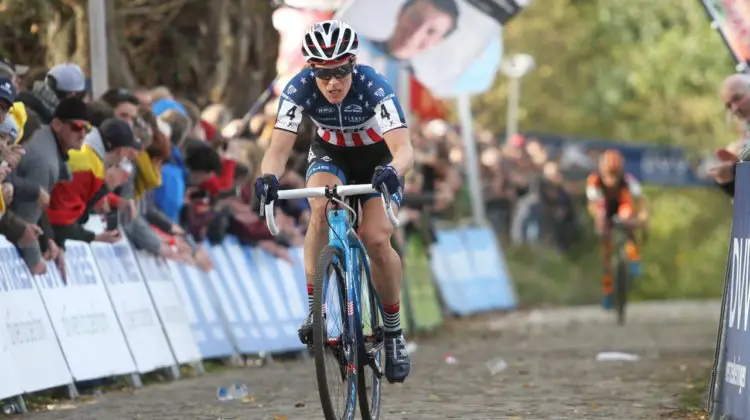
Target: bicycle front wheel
<point>371,362</point>
<point>621,290</point>
<point>334,341</point>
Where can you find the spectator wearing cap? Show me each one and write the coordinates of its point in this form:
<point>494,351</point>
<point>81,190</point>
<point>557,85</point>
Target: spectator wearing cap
<point>12,71</point>
<point>61,81</point>
<point>94,167</point>
<point>152,231</point>
<point>8,95</point>
<point>45,165</point>
<point>124,103</point>
<point>11,153</point>
<point>145,176</point>
<point>169,197</point>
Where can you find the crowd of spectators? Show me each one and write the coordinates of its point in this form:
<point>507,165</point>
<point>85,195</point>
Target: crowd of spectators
<point>170,176</point>
<point>528,201</point>
<point>141,164</point>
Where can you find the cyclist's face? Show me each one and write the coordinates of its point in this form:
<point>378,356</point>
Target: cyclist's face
<point>610,179</point>
<point>419,27</point>
<point>334,80</point>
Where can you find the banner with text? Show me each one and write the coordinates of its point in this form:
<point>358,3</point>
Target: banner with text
<point>734,399</point>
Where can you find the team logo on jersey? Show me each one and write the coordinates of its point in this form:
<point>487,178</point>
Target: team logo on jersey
<point>354,119</point>
<point>291,90</point>
<point>353,108</point>
<point>326,110</point>
<point>380,92</point>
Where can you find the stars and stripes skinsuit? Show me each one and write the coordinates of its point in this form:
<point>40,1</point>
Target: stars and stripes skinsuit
<point>349,141</point>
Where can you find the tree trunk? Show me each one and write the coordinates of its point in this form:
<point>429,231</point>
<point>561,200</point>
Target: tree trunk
<point>120,73</point>
<point>81,55</point>
<point>56,35</point>
<point>258,46</point>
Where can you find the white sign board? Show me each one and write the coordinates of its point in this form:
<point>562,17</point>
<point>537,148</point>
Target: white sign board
<point>28,334</point>
<point>171,310</point>
<point>10,384</point>
<point>83,317</point>
<point>133,306</point>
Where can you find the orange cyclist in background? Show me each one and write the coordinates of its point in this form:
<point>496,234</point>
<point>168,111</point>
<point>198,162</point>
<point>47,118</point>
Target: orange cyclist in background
<point>613,192</point>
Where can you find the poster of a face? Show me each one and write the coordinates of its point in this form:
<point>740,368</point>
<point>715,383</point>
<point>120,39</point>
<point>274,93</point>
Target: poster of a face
<point>442,41</point>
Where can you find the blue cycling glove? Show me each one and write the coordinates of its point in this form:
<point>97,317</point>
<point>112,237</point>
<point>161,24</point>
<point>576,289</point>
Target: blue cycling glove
<point>386,175</point>
<point>267,185</point>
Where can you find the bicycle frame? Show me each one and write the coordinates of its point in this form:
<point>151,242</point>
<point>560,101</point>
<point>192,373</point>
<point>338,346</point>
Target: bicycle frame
<point>342,236</point>
<point>338,236</point>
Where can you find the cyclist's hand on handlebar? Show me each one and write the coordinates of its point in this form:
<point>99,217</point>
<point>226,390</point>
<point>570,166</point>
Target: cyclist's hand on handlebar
<point>267,185</point>
<point>386,175</point>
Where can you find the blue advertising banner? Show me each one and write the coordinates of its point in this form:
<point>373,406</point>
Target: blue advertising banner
<point>734,398</point>
<point>470,272</point>
<point>650,164</point>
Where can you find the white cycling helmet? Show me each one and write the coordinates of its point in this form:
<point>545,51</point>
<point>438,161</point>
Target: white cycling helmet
<point>329,40</point>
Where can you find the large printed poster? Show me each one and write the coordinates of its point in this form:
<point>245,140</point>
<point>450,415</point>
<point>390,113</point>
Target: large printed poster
<point>733,20</point>
<point>452,46</point>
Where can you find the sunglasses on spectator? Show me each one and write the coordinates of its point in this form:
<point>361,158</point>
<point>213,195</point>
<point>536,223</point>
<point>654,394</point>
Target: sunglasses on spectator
<point>5,107</point>
<point>79,126</point>
<point>339,72</point>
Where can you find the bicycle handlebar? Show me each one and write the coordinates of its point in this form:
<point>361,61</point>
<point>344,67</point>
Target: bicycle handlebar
<point>338,190</point>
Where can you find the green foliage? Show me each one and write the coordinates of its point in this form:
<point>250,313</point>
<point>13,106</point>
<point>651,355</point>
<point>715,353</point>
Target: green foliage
<point>635,71</point>
<point>632,70</point>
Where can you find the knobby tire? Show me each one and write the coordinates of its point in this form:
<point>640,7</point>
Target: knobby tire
<point>320,331</point>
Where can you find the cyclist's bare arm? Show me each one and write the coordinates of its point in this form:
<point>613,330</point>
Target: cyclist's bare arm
<point>279,150</point>
<point>595,197</point>
<point>399,144</point>
<point>639,200</point>
<point>642,208</point>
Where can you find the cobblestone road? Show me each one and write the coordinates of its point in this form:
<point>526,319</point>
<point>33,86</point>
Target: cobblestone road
<point>552,373</point>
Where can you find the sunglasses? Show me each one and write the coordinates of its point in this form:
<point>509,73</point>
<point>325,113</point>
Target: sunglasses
<point>339,72</point>
<point>79,126</point>
<point>5,107</point>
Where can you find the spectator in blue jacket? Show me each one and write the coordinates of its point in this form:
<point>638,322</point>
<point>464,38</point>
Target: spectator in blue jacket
<point>169,197</point>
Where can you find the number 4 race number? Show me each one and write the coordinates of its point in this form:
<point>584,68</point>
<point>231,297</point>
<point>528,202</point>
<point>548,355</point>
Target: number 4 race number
<point>291,112</point>
<point>384,113</point>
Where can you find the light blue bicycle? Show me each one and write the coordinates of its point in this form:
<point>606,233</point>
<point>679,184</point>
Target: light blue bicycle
<point>342,331</point>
